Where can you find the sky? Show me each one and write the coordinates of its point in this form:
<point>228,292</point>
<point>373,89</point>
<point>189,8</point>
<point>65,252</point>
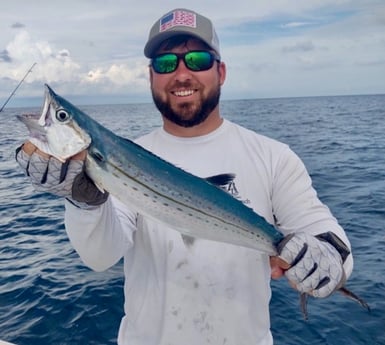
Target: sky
<point>92,50</point>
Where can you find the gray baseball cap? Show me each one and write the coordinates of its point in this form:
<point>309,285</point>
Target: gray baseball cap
<point>181,22</point>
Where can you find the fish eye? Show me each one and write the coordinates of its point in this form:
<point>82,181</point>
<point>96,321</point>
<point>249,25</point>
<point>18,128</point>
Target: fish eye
<point>62,115</point>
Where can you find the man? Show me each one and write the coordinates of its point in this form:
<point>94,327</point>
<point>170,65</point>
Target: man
<point>181,290</point>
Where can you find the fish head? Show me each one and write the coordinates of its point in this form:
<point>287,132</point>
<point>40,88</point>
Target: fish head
<point>56,131</point>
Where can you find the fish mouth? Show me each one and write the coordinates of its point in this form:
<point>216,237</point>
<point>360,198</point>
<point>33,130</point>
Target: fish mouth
<point>38,119</point>
<point>28,116</point>
<point>30,120</point>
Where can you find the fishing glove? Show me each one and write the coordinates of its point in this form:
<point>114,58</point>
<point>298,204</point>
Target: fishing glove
<point>68,179</point>
<point>316,262</point>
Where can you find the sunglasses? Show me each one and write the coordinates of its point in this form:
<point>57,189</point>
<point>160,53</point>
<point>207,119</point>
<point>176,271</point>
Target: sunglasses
<point>197,60</point>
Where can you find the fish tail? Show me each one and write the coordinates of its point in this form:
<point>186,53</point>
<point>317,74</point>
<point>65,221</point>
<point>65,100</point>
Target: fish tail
<point>347,293</point>
<point>354,297</point>
<point>303,304</point>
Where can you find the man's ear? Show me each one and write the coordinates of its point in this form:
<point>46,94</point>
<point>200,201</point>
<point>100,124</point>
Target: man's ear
<point>222,72</point>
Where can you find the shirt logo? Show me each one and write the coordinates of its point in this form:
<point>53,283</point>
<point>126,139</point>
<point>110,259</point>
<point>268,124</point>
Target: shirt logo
<point>226,182</point>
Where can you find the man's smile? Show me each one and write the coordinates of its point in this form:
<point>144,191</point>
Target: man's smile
<point>183,93</point>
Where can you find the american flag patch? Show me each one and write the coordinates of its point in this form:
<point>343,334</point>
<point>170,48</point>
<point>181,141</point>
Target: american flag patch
<point>178,18</point>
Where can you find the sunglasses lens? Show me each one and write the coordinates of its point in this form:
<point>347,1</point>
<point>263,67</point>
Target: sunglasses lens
<point>194,60</point>
<point>165,63</point>
<point>199,61</point>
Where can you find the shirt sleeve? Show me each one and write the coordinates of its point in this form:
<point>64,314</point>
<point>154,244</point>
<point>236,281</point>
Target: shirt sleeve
<point>102,235</point>
<point>296,206</point>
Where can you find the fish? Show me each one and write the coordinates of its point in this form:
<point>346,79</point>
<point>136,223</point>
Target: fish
<point>148,184</point>
<point>145,182</point>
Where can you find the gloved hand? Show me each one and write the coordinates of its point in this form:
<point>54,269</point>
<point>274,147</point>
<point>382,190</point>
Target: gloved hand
<point>315,265</point>
<point>68,179</point>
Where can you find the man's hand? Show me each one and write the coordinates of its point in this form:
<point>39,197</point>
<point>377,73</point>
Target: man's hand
<point>278,267</point>
<point>312,266</point>
<point>68,179</point>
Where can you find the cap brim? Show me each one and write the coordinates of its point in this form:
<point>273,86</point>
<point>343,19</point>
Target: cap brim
<point>153,44</point>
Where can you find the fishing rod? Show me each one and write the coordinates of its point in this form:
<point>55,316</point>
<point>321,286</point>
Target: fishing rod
<point>18,85</point>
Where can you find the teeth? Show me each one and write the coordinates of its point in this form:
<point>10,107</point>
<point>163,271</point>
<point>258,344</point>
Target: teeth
<point>184,93</point>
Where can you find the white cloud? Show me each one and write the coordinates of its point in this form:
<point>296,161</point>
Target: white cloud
<point>117,79</point>
<point>57,66</point>
<point>296,24</point>
<point>52,64</point>
<point>119,74</point>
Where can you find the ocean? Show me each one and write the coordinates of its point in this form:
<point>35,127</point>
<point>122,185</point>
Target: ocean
<point>47,296</point>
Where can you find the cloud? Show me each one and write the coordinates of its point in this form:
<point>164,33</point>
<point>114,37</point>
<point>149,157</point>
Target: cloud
<point>304,46</point>
<point>52,64</point>
<point>295,25</point>
<point>58,67</point>
<point>4,56</point>
<point>17,25</point>
<point>115,78</point>
<point>117,74</point>
<point>269,46</point>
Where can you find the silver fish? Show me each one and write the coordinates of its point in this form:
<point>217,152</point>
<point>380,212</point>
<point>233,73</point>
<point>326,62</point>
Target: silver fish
<point>146,183</point>
<point>149,185</point>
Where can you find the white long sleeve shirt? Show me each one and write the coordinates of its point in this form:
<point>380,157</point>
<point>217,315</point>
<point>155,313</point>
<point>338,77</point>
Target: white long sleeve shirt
<point>180,290</point>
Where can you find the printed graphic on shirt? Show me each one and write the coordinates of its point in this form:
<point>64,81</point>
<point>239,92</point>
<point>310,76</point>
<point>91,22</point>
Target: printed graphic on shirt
<point>226,182</point>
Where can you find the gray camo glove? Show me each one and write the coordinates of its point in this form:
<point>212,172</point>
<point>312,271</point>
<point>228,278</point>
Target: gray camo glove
<point>316,265</point>
<point>68,179</point>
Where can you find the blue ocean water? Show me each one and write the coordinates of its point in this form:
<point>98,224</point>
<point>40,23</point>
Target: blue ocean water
<point>47,296</point>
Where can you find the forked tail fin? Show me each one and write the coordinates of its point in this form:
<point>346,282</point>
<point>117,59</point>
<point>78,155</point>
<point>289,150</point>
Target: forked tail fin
<point>343,290</point>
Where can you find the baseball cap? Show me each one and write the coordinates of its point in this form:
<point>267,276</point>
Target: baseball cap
<point>181,21</point>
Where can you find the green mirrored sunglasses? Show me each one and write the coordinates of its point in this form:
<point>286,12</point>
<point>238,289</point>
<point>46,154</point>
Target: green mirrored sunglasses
<point>197,60</point>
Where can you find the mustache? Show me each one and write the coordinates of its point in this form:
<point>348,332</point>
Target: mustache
<point>188,84</point>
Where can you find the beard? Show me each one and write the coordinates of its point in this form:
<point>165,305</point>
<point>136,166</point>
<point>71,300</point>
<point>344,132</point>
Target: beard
<point>188,114</point>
